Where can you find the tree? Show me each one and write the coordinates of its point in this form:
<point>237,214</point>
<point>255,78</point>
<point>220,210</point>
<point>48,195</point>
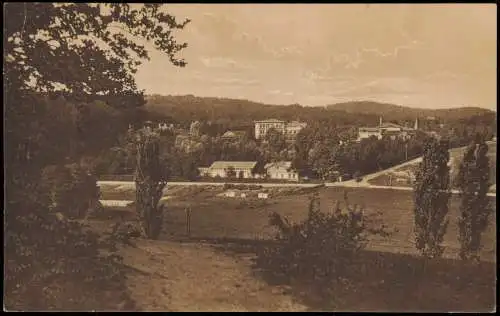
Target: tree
<point>475,209</point>
<point>276,140</point>
<point>84,50</point>
<point>149,182</point>
<point>431,198</point>
<point>86,53</point>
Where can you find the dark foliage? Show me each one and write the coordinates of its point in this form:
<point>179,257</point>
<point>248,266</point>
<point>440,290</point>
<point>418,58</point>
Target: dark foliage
<point>475,207</point>
<point>432,197</point>
<point>320,249</point>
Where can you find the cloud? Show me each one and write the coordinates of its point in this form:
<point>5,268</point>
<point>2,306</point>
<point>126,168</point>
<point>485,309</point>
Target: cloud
<point>276,91</point>
<point>222,62</point>
<point>379,86</point>
<point>235,81</point>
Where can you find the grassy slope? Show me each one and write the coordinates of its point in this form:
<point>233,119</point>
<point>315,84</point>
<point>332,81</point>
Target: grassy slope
<point>456,156</point>
<point>171,276</point>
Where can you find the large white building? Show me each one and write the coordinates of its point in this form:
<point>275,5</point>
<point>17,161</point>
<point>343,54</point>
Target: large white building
<point>242,169</point>
<point>290,130</point>
<point>261,127</point>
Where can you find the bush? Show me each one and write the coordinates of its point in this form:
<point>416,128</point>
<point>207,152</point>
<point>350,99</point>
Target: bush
<point>52,263</point>
<point>72,189</point>
<point>320,249</point>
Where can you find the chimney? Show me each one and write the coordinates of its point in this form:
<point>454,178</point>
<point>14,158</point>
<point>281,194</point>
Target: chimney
<point>380,122</point>
<point>416,124</point>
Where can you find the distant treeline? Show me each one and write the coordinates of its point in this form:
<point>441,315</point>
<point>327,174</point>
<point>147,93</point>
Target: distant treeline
<point>233,113</point>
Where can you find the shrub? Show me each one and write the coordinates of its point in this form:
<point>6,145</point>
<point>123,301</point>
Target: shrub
<point>322,247</point>
<point>72,189</point>
<point>55,263</point>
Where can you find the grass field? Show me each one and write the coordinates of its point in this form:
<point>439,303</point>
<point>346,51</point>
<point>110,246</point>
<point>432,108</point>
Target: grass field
<point>237,227</point>
<point>213,216</point>
<point>456,156</point>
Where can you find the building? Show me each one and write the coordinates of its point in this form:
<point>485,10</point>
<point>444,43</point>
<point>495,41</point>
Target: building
<point>290,130</point>
<point>293,128</point>
<point>242,169</point>
<point>367,132</point>
<point>234,135</point>
<point>281,170</point>
<point>261,127</point>
<point>387,130</point>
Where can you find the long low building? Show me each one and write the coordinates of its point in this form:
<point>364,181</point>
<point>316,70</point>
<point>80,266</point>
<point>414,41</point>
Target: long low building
<point>230,169</point>
<point>387,129</point>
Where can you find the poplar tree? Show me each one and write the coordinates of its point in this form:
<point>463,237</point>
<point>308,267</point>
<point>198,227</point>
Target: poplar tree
<point>431,198</point>
<point>149,182</point>
<point>475,209</point>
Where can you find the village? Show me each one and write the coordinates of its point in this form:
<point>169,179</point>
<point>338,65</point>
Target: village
<point>276,170</point>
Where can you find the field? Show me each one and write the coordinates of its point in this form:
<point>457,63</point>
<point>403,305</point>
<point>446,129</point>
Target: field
<point>403,176</point>
<point>224,228</point>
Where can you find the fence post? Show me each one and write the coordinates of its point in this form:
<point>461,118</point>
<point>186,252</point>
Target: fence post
<point>188,221</point>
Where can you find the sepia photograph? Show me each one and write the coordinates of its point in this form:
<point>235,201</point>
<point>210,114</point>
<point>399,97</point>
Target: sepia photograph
<point>250,157</point>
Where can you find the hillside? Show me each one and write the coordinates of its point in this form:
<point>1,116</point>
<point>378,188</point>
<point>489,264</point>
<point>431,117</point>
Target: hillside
<point>244,112</point>
<point>184,109</point>
<point>398,112</point>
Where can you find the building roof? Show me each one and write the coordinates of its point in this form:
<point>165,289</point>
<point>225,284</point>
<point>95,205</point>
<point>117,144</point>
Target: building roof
<point>234,134</point>
<point>384,126</point>
<point>279,164</point>
<point>297,123</point>
<point>270,121</point>
<point>234,164</point>
<point>387,125</point>
<point>369,129</point>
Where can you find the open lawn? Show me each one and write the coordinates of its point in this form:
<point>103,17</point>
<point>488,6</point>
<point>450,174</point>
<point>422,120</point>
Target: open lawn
<point>232,230</point>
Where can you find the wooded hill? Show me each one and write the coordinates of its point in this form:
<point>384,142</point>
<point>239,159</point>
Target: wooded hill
<point>184,109</point>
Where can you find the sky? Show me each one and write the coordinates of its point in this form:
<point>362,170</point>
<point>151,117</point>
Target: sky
<point>417,55</point>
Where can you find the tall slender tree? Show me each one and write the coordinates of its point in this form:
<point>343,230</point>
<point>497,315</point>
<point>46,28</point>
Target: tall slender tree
<point>475,209</point>
<point>431,198</point>
<point>150,181</point>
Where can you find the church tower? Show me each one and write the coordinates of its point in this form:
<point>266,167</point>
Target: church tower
<point>416,124</point>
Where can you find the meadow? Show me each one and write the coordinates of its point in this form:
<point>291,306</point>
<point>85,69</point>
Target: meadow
<point>239,228</point>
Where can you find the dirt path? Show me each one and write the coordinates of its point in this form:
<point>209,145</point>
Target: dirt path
<point>196,277</point>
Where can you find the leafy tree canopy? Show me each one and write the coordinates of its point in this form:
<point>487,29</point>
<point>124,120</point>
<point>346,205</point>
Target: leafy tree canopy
<point>84,50</point>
